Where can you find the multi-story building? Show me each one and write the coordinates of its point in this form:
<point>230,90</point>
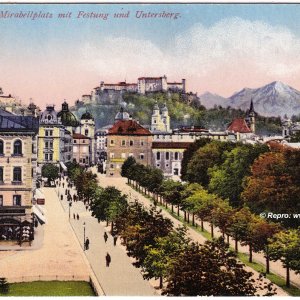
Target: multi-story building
<point>127,138</point>
<point>51,138</point>
<point>82,149</point>
<point>87,128</point>
<point>101,144</point>
<point>18,155</point>
<point>167,156</point>
<point>120,86</point>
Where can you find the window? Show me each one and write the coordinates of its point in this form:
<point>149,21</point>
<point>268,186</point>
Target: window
<point>112,142</point>
<point>1,200</point>
<point>1,147</point>
<point>49,117</point>
<point>48,132</point>
<point>130,143</point>
<point>50,156</point>
<point>75,141</point>
<point>83,160</point>
<point>123,143</point>
<point>1,174</point>
<point>123,155</point>
<point>112,155</point>
<point>158,155</point>
<point>167,155</point>
<point>176,155</point>
<point>83,141</point>
<point>111,166</point>
<point>142,156</point>
<point>17,200</point>
<point>17,147</point>
<point>142,143</point>
<point>46,156</point>
<point>17,175</point>
<point>86,132</point>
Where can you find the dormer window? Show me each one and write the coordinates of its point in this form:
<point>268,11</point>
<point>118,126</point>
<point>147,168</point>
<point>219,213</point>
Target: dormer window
<point>49,117</point>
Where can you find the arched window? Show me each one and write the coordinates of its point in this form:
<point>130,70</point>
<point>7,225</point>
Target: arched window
<point>17,176</point>
<point>1,174</point>
<point>1,147</point>
<point>17,147</point>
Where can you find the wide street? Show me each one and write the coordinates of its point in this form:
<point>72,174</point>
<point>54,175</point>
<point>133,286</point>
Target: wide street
<point>121,278</point>
<point>121,184</point>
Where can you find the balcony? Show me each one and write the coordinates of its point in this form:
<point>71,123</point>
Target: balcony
<point>12,210</point>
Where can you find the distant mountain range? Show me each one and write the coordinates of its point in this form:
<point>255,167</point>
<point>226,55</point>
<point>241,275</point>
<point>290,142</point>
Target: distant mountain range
<point>274,99</point>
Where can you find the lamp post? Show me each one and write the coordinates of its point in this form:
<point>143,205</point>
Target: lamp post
<point>83,236</point>
<point>70,204</point>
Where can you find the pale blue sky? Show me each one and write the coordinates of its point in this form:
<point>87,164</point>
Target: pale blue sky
<point>38,57</point>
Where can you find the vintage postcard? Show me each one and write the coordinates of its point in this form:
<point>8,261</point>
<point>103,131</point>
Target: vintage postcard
<point>149,149</point>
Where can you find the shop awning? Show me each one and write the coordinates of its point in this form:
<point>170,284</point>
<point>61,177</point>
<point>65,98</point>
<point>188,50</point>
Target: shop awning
<point>39,214</point>
<point>63,166</point>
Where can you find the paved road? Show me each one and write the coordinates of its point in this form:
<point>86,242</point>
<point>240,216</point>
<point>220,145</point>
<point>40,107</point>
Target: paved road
<point>59,256</point>
<point>121,278</point>
<point>121,184</point>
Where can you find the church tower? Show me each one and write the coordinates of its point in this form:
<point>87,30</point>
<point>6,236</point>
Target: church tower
<point>155,119</point>
<point>165,118</point>
<point>251,117</point>
<point>87,128</point>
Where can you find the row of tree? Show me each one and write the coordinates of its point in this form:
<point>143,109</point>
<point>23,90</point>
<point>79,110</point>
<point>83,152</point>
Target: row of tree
<point>167,254</point>
<point>238,222</point>
<point>265,178</point>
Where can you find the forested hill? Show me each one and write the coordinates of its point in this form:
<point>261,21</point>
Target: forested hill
<point>141,106</point>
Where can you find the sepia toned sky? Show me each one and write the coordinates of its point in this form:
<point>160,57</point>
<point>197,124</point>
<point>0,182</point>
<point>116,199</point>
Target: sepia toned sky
<point>220,48</point>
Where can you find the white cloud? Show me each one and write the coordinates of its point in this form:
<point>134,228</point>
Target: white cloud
<point>234,43</point>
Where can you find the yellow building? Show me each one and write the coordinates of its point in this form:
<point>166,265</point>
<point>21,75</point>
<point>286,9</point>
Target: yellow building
<point>50,138</point>
<point>17,175</point>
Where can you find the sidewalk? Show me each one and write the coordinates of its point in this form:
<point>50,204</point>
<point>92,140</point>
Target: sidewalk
<point>121,278</point>
<point>60,257</point>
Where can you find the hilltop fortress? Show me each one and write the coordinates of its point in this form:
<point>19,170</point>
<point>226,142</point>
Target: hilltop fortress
<point>112,92</point>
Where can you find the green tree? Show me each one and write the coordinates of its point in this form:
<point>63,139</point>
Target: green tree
<point>239,224</point>
<point>226,180</point>
<point>125,170</point>
<point>50,171</point>
<point>4,286</point>
<point>171,192</point>
<point>209,270</point>
<point>161,255</point>
<point>285,247</point>
<point>204,158</point>
<point>188,154</point>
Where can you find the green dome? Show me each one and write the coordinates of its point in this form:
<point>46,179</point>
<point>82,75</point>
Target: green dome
<point>67,118</point>
<point>87,116</point>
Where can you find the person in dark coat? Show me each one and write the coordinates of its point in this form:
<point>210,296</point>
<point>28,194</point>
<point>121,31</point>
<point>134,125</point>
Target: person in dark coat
<point>115,240</point>
<point>77,216</point>
<point>105,237</point>
<point>108,259</point>
<point>87,244</point>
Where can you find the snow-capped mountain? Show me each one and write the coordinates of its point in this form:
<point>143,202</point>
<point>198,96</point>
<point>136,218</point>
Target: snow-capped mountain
<point>274,99</point>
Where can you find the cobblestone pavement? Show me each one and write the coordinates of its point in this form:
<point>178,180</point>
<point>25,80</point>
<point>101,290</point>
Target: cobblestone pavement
<point>121,278</point>
<point>59,256</point>
<point>121,184</point>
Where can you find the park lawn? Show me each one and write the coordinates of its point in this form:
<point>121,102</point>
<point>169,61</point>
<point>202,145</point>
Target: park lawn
<point>50,288</point>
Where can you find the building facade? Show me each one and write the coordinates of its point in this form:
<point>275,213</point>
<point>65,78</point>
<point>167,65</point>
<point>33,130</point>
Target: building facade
<point>127,138</point>
<point>18,158</point>
<point>167,156</point>
<point>82,153</point>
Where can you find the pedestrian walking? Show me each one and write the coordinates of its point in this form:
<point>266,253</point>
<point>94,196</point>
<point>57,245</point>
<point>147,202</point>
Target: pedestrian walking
<point>86,207</point>
<point>108,259</point>
<point>63,184</point>
<point>115,240</point>
<point>105,236</point>
<point>61,197</point>
<point>87,244</point>
<point>77,216</point>
<point>73,216</point>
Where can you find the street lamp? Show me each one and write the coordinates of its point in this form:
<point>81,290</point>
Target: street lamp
<point>70,204</point>
<point>83,236</point>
